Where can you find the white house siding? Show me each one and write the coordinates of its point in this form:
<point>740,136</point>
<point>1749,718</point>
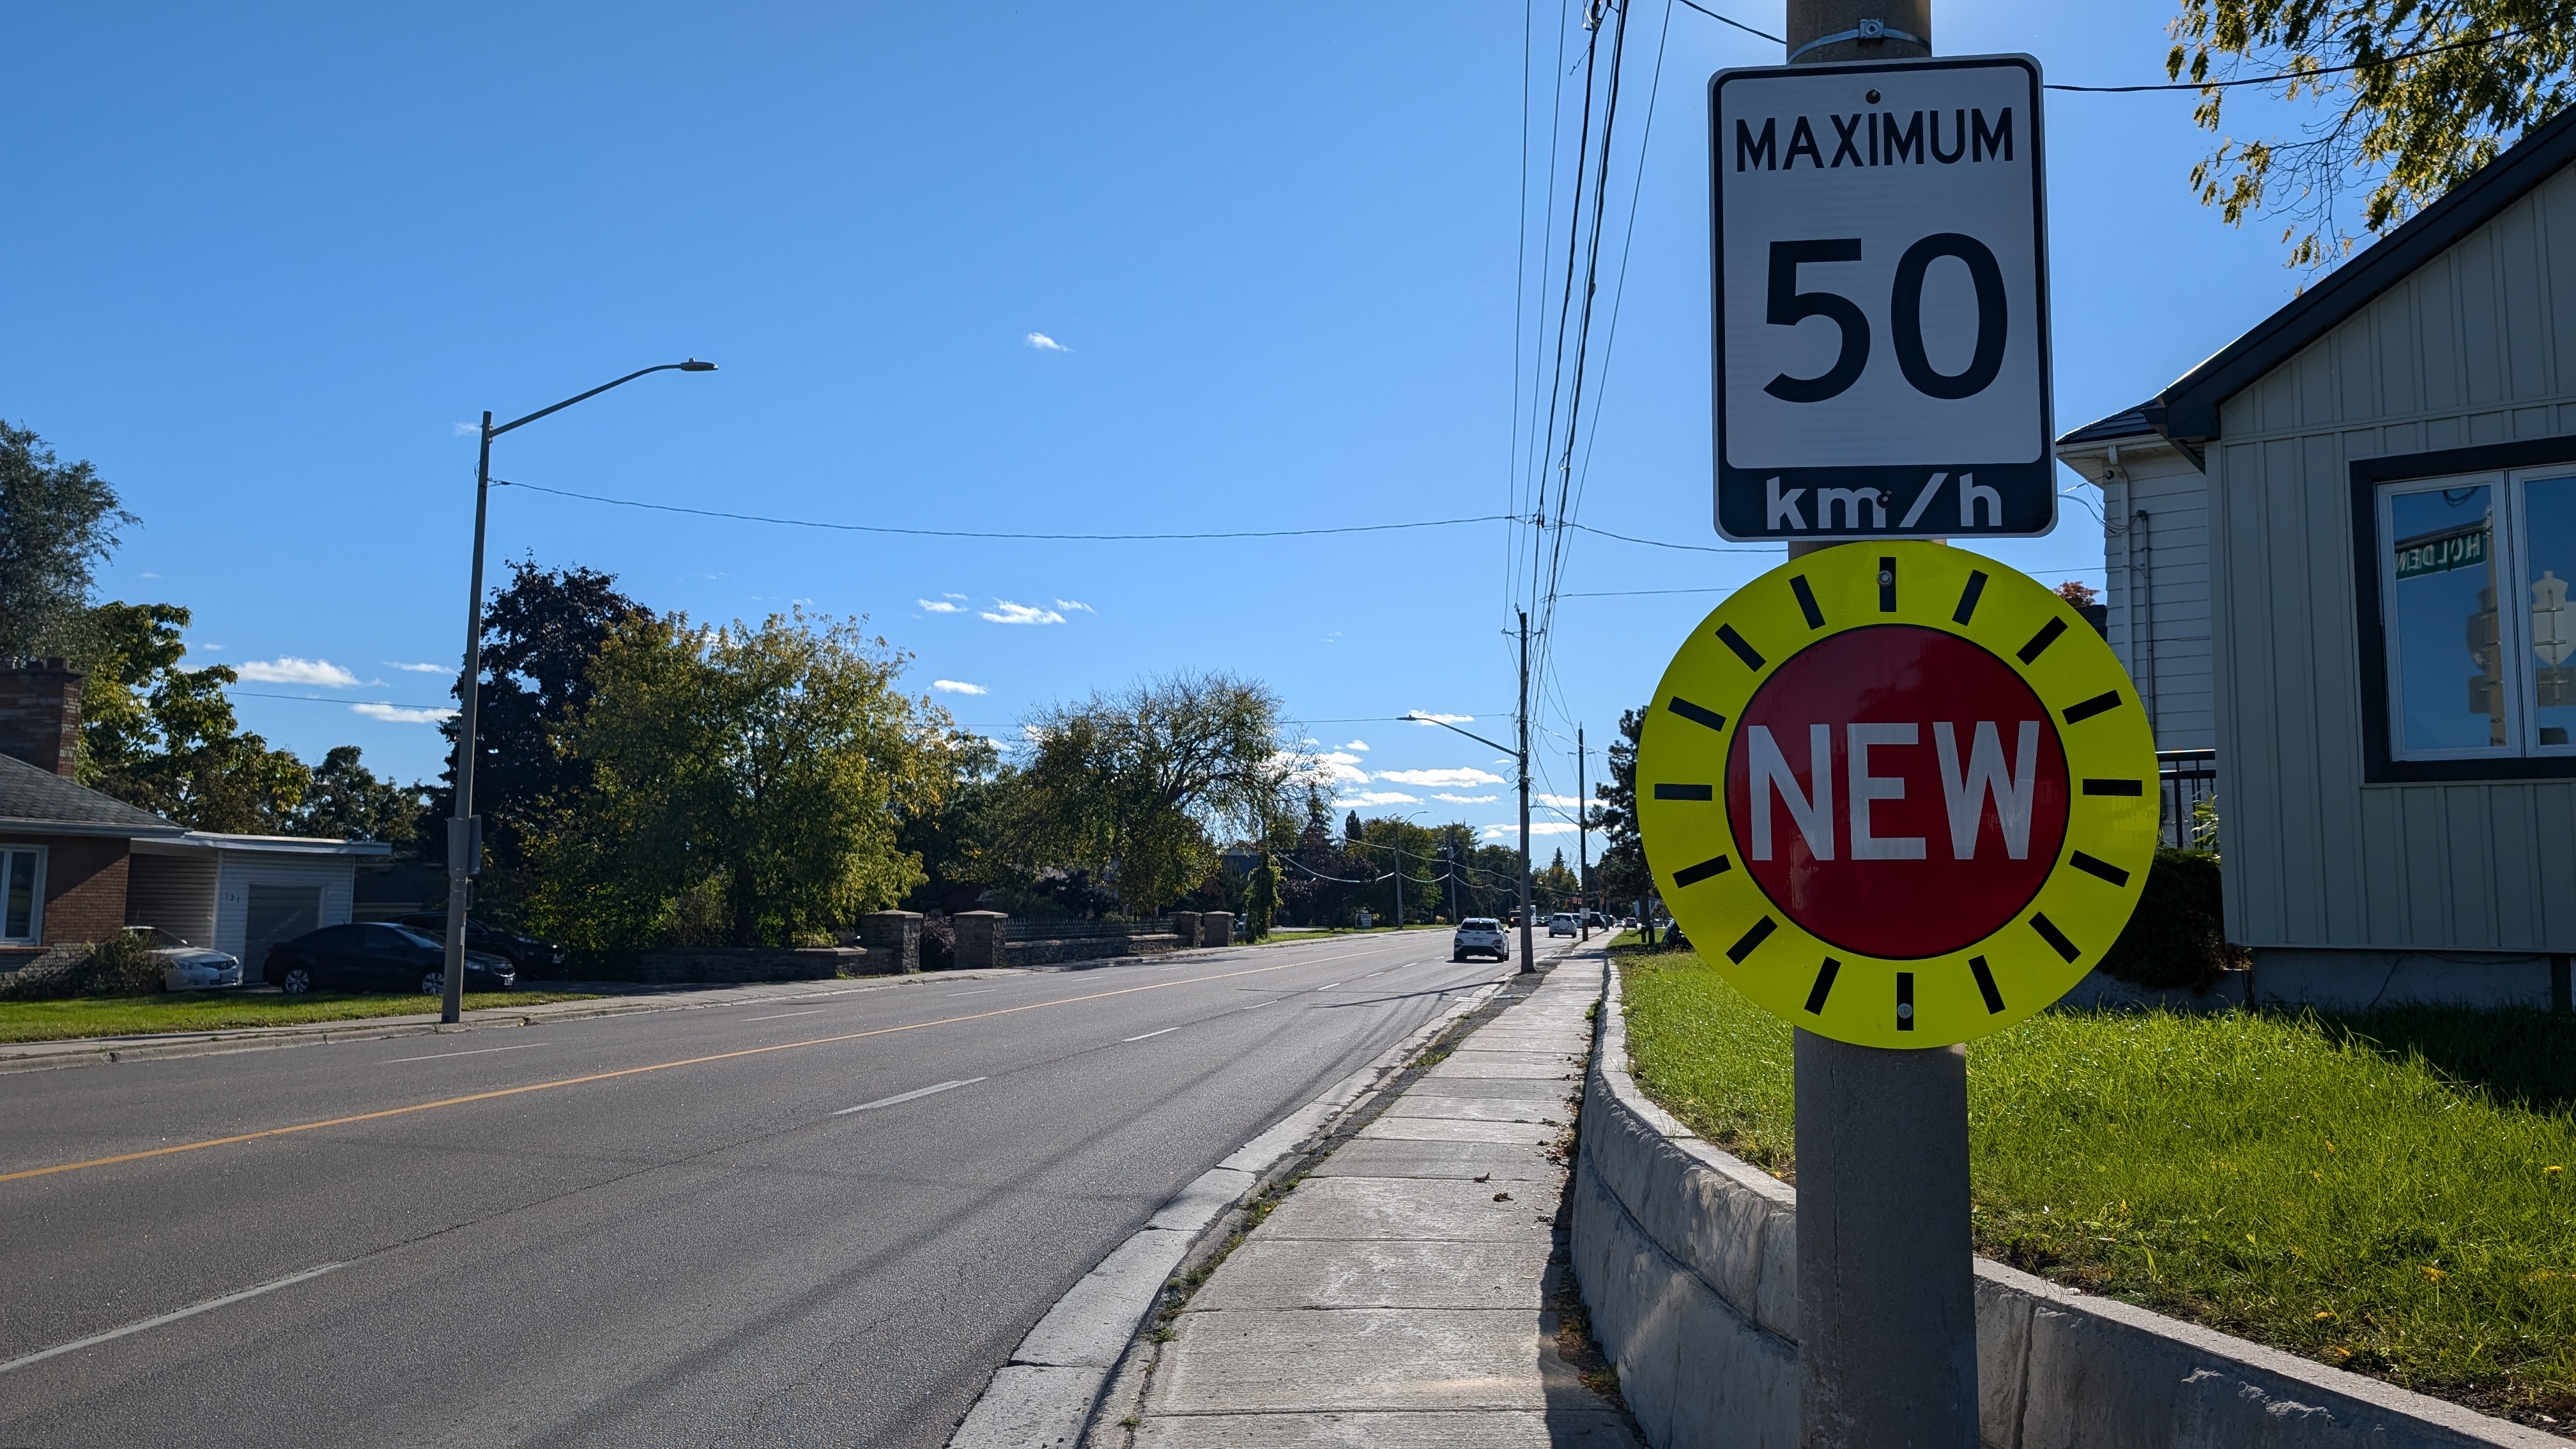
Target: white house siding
<point>2478,346</point>
<point>2173,631</point>
<point>335,876</point>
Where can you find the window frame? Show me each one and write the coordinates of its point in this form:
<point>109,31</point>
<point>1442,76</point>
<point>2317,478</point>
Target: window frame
<point>36,915</point>
<point>2505,467</point>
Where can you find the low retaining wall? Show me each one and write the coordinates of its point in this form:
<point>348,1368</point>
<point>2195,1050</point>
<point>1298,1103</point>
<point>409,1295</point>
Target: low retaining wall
<point>756,963</point>
<point>1688,1262</point>
<point>1085,948</point>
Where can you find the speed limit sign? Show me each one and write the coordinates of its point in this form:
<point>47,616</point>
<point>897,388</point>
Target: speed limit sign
<point>1881,297</point>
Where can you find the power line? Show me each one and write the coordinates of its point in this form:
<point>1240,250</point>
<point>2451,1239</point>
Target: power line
<point>1025,537</point>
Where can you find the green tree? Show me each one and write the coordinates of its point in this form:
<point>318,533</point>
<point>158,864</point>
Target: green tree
<point>1621,875</point>
<point>1139,785</point>
<point>540,634</point>
<point>57,523</point>
<point>1261,896</point>
<point>346,801</point>
<point>2411,97</point>
<point>959,837</point>
<point>746,783</point>
<point>165,738</point>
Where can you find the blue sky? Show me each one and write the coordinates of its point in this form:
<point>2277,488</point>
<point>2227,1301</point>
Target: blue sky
<point>266,260</point>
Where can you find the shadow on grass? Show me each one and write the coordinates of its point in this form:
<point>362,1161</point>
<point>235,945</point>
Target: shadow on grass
<point>2521,1058</point>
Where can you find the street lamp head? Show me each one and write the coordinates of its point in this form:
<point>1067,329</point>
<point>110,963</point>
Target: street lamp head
<point>693,365</point>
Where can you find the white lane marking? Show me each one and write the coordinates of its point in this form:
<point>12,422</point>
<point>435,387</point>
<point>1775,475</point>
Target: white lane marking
<point>191,1311</point>
<point>905,1096</point>
<point>475,1052</point>
<point>1148,1034</point>
<point>978,991</point>
<point>782,1016</point>
<point>1256,1006</point>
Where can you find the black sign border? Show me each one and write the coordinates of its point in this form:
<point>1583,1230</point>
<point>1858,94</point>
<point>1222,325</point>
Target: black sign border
<point>1897,484</point>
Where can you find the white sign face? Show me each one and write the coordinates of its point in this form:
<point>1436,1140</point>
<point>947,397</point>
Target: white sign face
<point>1881,297</point>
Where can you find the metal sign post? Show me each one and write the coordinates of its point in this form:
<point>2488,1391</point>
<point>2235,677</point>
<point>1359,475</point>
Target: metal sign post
<point>1881,301</point>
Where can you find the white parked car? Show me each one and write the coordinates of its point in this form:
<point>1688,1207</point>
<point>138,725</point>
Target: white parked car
<point>1562,924</point>
<point>187,967</point>
<point>1480,936</point>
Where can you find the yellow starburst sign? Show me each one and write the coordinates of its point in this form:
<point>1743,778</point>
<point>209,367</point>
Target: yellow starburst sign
<point>1898,793</point>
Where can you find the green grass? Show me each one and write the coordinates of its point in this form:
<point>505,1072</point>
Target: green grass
<point>2388,1194</point>
<point>189,1011</point>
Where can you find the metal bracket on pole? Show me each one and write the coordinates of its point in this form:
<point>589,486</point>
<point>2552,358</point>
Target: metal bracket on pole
<point>1866,30</point>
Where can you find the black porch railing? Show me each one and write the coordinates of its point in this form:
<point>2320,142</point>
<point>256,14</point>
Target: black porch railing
<point>2186,779</point>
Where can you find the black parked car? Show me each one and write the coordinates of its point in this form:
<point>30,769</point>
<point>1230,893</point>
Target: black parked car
<point>532,956</point>
<point>376,956</point>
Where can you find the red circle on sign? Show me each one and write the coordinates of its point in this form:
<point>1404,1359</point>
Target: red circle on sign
<point>1907,846</point>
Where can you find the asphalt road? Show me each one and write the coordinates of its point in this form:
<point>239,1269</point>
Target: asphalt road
<point>820,1222</point>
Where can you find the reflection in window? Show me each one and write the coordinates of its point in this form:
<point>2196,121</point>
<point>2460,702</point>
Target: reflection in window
<point>2449,671</point>
<point>2548,563</point>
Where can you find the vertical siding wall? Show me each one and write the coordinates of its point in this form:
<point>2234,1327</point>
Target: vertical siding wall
<point>335,877</point>
<point>2479,346</point>
<point>2177,617</point>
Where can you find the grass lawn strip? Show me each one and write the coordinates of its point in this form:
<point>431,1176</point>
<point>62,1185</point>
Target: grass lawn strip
<point>22,1021</point>
<point>2387,1194</point>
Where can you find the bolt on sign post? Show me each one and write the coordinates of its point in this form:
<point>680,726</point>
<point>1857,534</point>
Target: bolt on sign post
<point>1881,301</point>
<point>1902,796</point>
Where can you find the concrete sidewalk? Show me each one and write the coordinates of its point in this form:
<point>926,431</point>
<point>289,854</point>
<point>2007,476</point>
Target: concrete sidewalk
<point>1403,1293</point>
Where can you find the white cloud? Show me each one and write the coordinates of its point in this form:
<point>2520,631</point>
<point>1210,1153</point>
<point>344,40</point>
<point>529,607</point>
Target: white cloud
<point>1553,827</point>
<point>1376,797</point>
<point>957,686</point>
<point>959,597</point>
<point>1006,612</point>
<point>1075,604</point>
<point>1467,799</point>
<point>1044,343</point>
<point>419,668</point>
<point>152,576</point>
<point>1465,775</point>
<point>940,606</point>
<point>1359,745</point>
<point>396,714</point>
<point>287,669</point>
<point>1345,769</point>
<point>468,430</point>
<point>1426,717</point>
<point>1562,802</point>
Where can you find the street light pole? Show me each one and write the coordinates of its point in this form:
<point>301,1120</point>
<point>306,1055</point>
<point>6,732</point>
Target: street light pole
<point>1526,963</point>
<point>464,845</point>
<point>1582,846</point>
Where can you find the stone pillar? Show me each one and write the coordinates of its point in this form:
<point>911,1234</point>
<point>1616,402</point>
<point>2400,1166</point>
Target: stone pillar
<point>1185,924</point>
<point>979,938</point>
<point>895,934</point>
<point>1216,928</point>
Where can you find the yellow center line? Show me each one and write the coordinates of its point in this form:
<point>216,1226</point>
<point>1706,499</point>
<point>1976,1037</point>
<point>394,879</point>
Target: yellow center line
<point>637,1071</point>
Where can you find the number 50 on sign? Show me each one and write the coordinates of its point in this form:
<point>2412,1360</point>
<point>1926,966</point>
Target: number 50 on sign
<point>1881,299</point>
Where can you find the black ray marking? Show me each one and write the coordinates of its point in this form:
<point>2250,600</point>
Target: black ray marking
<point>1824,987</point>
<point>1986,985</point>
<point>1751,656</point>
<point>2095,865</point>
<point>1696,714</point>
<point>1693,875</point>
<point>1761,932</point>
<point>1887,585</point>
<point>2078,713</point>
<point>2040,641</point>
<point>2048,931</point>
<point>2114,787</point>
<point>1968,597</point>
<point>1807,601</point>
<point>1684,792</point>
<point>1904,1001</point>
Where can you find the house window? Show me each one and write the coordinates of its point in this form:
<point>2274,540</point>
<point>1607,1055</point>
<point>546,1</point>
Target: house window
<point>22,894</point>
<point>2474,572</point>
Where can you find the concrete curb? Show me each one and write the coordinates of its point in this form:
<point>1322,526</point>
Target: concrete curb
<point>1044,1396</point>
<point>107,1050</point>
<point>1687,1257</point>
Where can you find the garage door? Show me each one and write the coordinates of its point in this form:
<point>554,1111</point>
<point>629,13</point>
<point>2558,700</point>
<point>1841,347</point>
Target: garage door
<point>277,913</point>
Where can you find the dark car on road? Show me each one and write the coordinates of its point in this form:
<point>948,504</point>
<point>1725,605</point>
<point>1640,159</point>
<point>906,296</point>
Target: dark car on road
<point>376,956</point>
<point>532,956</point>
